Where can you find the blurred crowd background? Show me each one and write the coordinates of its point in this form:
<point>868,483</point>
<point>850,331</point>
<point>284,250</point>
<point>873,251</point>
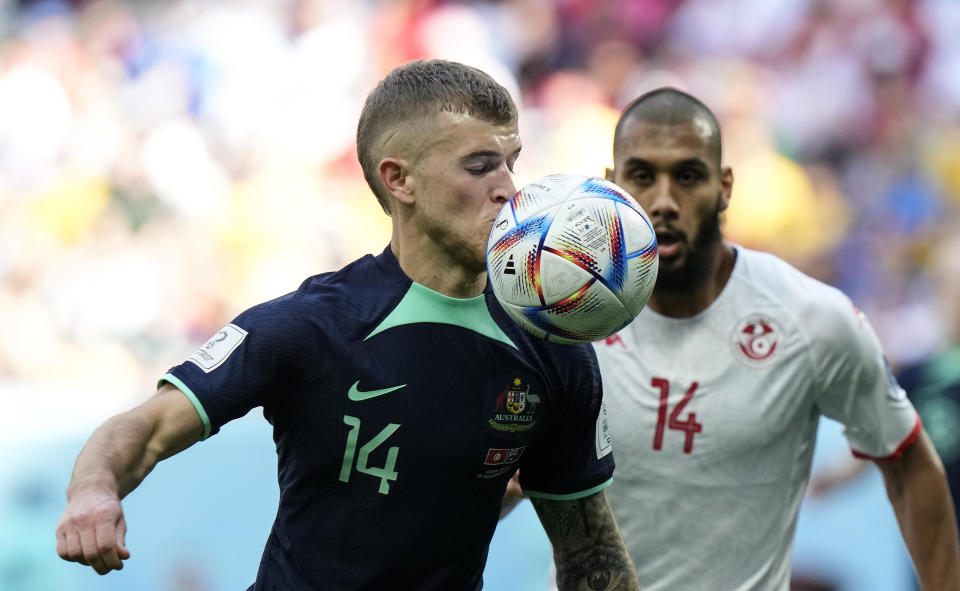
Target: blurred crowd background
<point>166,164</point>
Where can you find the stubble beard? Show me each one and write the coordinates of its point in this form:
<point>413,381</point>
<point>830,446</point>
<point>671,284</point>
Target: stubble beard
<point>695,269</point>
<point>471,257</point>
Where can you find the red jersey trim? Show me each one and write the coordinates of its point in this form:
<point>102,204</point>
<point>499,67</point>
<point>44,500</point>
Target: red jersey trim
<point>904,445</point>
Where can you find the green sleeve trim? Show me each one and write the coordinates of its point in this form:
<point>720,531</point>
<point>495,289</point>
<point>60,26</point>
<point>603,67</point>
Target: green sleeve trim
<point>568,497</point>
<point>193,400</point>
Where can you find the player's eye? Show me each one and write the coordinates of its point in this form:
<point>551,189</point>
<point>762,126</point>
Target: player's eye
<point>480,169</point>
<point>689,176</point>
<point>641,176</point>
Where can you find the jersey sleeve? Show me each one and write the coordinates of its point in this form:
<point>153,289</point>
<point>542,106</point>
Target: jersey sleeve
<point>240,367</point>
<point>859,389</point>
<point>574,459</point>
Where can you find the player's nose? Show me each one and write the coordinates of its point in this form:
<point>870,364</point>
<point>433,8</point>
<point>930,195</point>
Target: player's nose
<point>664,204</point>
<point>504,188</point>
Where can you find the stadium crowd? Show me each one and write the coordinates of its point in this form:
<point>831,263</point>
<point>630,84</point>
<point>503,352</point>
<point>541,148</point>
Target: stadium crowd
<point>163,165</point>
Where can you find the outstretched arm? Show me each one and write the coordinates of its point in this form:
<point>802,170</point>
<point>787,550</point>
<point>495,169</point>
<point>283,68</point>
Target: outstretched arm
<point>588,549</point>
<point>116,458</point>
<point>917,486</point>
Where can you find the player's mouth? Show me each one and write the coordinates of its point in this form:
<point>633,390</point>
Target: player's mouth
<point>668,243</point>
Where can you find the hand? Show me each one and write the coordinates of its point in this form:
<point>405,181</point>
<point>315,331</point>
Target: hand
<point>512,496</point>
<point>92,531</point>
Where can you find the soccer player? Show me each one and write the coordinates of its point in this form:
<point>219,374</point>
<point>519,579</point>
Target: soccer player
<point>714,392</point>
<point>398,390</point>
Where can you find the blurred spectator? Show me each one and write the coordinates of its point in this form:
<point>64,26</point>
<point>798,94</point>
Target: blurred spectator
<point>132,132</point>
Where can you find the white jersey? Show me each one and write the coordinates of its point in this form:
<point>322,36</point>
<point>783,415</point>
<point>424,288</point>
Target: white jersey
<point>714,420</point>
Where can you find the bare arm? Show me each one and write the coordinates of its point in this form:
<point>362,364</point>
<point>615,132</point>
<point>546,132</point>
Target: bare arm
<point>587,546</point>
<point>917,487</point>
<point>116,458</point>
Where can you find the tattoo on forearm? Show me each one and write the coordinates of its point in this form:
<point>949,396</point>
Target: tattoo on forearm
<point>588,549</point>
<point>570,518</point>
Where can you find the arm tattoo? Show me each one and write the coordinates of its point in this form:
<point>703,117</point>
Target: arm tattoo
<point>589,552</point>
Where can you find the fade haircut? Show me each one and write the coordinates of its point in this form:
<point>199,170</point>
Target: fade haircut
<point>421,90</point>
<point>669,106</point>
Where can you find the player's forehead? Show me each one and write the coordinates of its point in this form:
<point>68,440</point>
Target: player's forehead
<point>663,142</point>
<point>456,135</point>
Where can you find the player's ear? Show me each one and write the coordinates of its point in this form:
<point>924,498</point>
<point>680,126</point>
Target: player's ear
<point>726,188</point>
<point>396,179</point>
<point>608,174</point>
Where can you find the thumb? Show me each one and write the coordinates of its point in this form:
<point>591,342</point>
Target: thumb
<point>122,550</point>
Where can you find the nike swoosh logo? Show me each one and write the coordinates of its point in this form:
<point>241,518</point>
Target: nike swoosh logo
<point>356,394</point>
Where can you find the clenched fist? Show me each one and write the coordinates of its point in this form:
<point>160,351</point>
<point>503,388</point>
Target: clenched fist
<point>92,530</point>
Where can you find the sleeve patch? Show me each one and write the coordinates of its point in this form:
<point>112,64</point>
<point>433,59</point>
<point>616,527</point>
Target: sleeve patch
<point>604,440</point>
<point>215,351</point>
<point>895,392</point>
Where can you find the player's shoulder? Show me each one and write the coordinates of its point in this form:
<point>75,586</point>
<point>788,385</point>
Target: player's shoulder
<point>573,369</point>
<point>819,308</point>
<point>539,347</point>
<point>567,356</point>
<point>567,361</point>
<point>777,279</point>
<point>358,286</point>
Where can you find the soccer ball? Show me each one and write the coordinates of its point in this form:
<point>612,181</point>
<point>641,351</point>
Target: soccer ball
<point>572,258</point>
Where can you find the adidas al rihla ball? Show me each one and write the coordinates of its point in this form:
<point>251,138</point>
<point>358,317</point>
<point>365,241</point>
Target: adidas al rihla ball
<point>572,258</point>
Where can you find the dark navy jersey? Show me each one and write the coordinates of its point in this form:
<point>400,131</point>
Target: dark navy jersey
<point>398,414</point>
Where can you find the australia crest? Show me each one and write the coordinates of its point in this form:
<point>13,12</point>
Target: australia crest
<point>514,409</point>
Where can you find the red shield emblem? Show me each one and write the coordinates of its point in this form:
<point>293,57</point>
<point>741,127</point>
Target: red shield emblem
<point>757,339</point>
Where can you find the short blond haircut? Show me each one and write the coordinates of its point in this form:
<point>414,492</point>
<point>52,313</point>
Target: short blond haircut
<point>420,90</point>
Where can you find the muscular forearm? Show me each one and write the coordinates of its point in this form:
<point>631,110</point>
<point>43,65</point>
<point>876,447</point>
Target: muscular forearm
<point>588,549</point>
<point>925,514</point>
<point>918,491</point>
<point>122,451</point>
<point>116,458</point>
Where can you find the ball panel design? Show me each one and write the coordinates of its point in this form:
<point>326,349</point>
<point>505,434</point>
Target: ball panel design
<point>504,224</point>
<point>512,262</point>
<point>637,229</point>
<point>589,231</point>
<point>642,270</point>
<point>539,195</point>
<point>589,314</point>
<point>607,190</point>
<point>566,276</point>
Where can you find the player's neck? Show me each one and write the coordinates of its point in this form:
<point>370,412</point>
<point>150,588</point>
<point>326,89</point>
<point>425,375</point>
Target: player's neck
<point>690,302</point>
<point>431,268</point>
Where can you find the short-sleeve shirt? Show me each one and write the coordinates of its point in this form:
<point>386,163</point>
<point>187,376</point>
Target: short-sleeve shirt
<point>398,414</point>
<point>715,417</point>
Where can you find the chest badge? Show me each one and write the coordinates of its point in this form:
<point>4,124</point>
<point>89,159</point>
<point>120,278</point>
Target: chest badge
<point>757,340</point>
<point>514,409</point>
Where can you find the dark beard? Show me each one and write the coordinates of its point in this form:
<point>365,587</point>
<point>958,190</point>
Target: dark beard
<point>695,269</point>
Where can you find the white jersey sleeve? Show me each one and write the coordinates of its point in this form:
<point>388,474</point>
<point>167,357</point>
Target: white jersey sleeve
<point>856,385</point>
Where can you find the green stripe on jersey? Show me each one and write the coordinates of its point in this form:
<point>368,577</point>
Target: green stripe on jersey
<point>568,497</point>
<point>422,304</point>
<point>193,400</point>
